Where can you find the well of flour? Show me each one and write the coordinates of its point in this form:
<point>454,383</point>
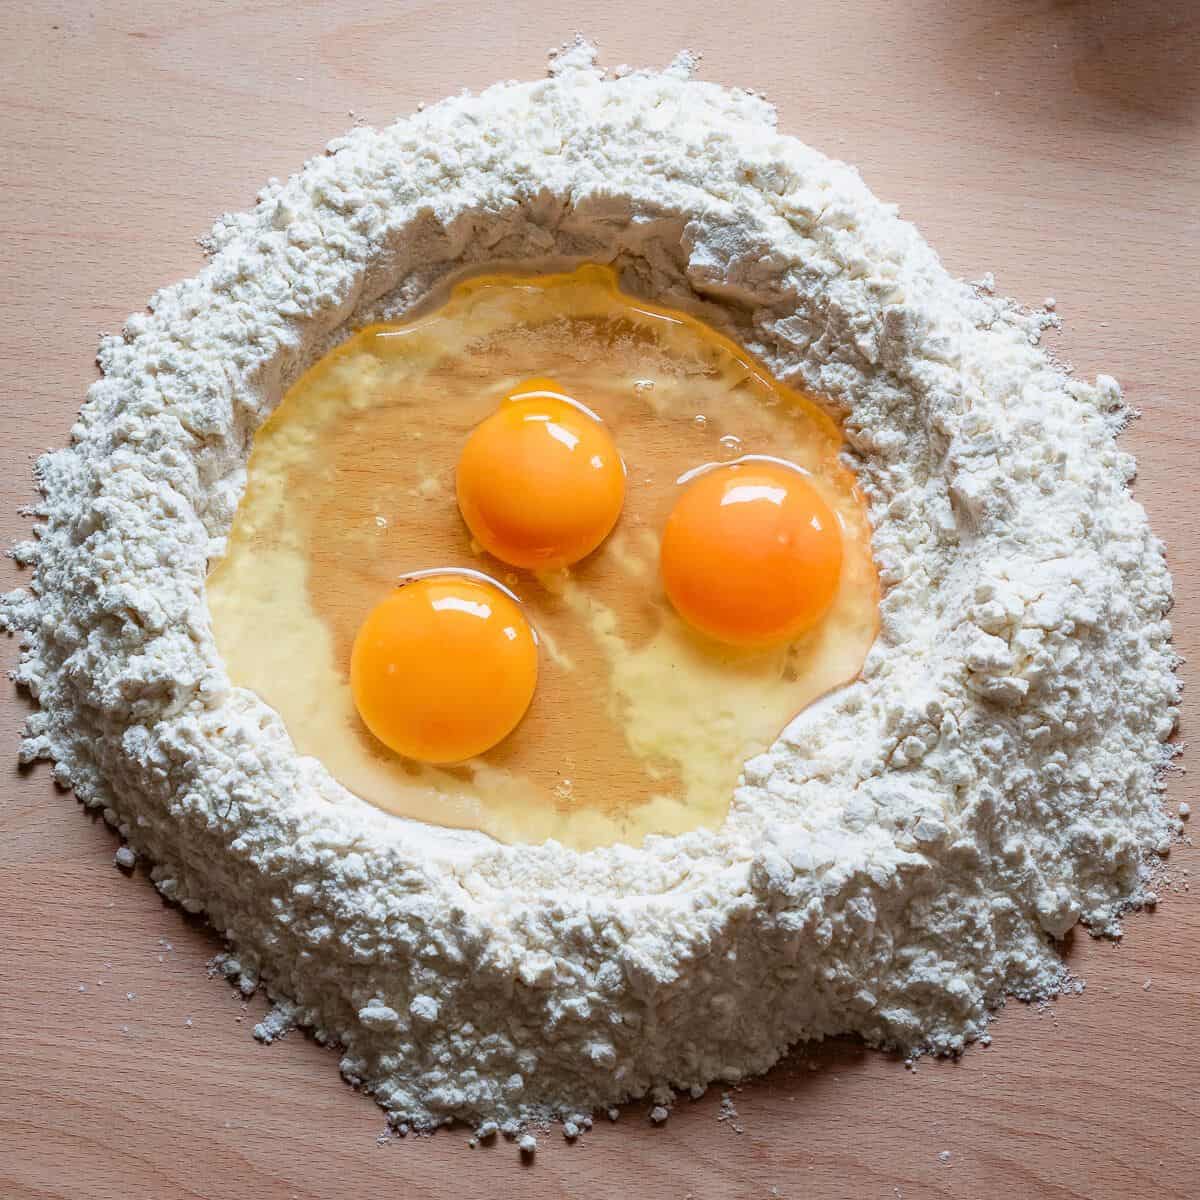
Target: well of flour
<point>901,858</point>
<point>637,725</point>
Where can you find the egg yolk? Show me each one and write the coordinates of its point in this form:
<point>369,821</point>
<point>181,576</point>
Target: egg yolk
<point>751,554</point>
<point>444,668</point>
<point>540,483</point>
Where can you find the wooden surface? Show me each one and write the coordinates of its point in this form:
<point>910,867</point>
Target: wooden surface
<point>1055,143</point>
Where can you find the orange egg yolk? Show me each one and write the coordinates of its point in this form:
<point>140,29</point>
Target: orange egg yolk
<point>444,668</point>
<point>540,483</point>
<point>751,554</point>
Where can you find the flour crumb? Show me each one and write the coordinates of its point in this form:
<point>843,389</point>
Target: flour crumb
<point>125,858</point>
<point>278,1023</point>
<point>728,1113</point>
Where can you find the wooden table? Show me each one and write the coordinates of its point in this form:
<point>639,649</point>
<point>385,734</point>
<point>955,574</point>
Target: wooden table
<point>1055,143</point>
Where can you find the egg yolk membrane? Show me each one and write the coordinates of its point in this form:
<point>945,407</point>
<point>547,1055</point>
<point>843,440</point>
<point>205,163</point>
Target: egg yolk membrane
<point>751,554</point>
<point>545,433</point>
<point>540,483</point>
<point>444,668</point>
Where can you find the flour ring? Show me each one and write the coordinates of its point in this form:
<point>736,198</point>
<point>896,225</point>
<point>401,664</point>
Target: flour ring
<point>893,867</point>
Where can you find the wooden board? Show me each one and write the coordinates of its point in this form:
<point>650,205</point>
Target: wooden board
<point>1055,143</point>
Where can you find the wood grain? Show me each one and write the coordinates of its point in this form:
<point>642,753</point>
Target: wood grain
<point>1053,142</point>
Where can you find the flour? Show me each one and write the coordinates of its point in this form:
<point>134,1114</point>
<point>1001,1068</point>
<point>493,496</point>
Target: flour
<point>900,860</point>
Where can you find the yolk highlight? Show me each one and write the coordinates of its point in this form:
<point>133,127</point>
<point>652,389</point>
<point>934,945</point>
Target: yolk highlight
<point>751,554</point>
<point>540,483</point>
<point>444,668</point>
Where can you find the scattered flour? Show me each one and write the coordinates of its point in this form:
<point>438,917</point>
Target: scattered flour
<point>728,1113</point>
<point>897,863</point>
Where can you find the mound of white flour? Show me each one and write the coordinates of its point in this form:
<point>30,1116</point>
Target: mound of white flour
<point>902,858</point>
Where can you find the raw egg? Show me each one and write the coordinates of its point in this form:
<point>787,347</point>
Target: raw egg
<point>540,483</point>
<point>444,668</point>
<point>751,553</point>
<point>558,415</point>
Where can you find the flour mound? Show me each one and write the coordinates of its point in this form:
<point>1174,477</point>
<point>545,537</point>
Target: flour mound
<point>902,858</point>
